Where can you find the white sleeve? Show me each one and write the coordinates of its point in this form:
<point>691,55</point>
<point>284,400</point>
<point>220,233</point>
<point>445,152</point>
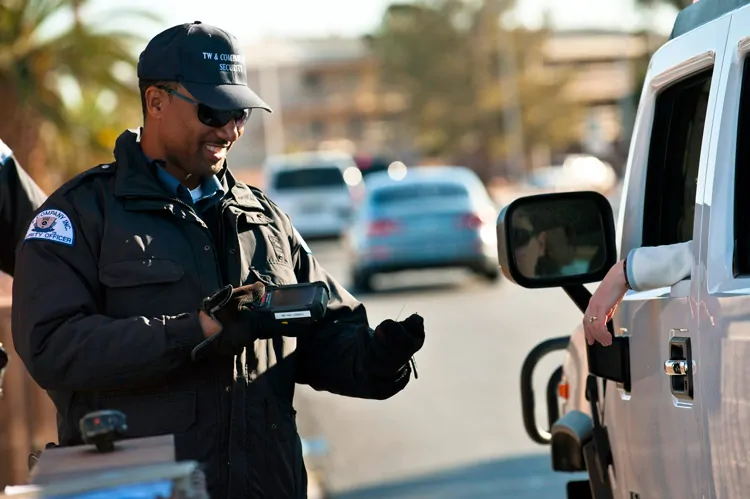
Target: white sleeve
<point>659,266</point>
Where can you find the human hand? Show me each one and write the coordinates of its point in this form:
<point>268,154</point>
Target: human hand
<point>603,305</point>
<point>231,311</point>
<point>399,341</point>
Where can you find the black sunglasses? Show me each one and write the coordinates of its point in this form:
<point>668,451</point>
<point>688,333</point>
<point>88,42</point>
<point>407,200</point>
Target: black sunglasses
<point>521,237</point>
<point>210,116</point>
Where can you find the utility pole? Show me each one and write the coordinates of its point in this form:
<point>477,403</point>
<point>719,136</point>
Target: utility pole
<point>270,91</point>
<point>508,80</point>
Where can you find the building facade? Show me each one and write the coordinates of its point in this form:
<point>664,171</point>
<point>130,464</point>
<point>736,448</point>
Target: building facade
<point>327,92</point>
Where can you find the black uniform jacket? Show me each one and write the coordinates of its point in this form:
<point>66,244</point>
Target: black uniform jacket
<point>108,281</point>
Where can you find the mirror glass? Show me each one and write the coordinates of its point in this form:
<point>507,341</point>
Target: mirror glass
<point>553,238</point>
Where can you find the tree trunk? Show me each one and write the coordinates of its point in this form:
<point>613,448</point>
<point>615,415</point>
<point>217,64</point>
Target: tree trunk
<point>20,129</point>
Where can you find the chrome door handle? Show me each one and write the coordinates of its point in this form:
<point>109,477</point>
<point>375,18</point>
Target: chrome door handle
<point>675,367</point>
<point>679,367</point>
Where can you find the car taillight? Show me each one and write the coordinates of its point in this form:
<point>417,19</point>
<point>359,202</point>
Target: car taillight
<point>470,221</point>
<point>382,228</point>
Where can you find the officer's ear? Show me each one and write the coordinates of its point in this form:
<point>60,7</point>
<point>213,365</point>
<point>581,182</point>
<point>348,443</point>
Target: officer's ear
<point>156,100</point>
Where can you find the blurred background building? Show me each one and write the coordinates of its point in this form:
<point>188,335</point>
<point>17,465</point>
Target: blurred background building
<point>330,91</point>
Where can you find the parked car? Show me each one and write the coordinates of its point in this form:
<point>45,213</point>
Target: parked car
<point>319,190</point>
<point>372,164</point>
<point>438,216</point>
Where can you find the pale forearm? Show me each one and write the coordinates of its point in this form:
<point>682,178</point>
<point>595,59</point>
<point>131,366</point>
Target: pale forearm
<point>659,266</point>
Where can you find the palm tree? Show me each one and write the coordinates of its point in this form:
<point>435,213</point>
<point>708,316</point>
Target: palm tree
<point>38,67</point>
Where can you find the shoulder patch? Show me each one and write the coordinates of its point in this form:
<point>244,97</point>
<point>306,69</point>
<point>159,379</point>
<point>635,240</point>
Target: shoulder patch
<point>51,225</point>
<point>302,242</point>
<point>5,152</point>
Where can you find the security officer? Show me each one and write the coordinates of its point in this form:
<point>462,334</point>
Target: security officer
<point>114,268</point>
<point>19,198</point>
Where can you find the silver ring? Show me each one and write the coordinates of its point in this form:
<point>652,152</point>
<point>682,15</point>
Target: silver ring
<point>592,319</point>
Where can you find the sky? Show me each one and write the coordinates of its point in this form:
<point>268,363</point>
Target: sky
<point>251,20</point>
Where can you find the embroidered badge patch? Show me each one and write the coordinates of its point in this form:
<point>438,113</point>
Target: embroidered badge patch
<point>51,225</point>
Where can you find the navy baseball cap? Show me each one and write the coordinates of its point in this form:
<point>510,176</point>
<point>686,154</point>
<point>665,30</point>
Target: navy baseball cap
<point>206,60</point>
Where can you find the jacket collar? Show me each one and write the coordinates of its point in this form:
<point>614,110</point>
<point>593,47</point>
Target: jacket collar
<point>135,177</point>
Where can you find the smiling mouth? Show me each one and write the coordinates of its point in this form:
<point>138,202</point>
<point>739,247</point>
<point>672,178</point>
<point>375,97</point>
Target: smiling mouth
<point>216,150</point>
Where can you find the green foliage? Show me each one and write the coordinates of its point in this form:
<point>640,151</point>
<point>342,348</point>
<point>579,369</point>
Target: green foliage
<point>446,57</point>
<point>40,65</point>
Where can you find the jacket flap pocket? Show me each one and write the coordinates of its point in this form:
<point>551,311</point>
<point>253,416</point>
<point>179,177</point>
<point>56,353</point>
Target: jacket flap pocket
<point>257,218</point>
<point>154,414</point>
<point>137,272</point>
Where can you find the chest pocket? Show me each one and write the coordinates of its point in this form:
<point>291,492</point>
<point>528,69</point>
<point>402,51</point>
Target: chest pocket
<point>143,286</point>
<point>267,254</point>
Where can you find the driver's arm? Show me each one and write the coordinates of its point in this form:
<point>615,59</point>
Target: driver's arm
<point>653,267</point>
<point>644,269</point>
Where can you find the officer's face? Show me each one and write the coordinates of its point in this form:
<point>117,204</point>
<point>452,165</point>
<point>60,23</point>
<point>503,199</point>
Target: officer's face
<point>196,149</point>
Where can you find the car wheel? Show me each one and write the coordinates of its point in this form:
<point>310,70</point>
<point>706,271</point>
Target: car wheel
<point>490,273</point>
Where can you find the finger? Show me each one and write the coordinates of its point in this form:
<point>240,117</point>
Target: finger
<point>603,336</point>
<point>597,330</point>
<point>589,332</point>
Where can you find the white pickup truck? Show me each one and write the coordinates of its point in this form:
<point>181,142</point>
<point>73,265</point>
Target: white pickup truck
<point>668,407</point>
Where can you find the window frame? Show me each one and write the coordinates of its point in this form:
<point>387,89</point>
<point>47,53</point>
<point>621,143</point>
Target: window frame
<point>662,169</point>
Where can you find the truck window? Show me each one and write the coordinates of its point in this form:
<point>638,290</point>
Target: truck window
<point>741,261</point>
<point>673,160</point>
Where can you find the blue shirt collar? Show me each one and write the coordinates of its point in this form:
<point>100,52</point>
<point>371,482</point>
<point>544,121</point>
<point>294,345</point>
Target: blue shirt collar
<point>211,187</point>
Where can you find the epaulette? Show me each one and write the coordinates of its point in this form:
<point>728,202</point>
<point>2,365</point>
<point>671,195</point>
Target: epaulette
<point>87,175</point>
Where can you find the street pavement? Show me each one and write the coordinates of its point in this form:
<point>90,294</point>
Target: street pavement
<point>457,431</point>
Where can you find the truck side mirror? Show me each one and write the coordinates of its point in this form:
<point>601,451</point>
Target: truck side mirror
<point>556,240</point>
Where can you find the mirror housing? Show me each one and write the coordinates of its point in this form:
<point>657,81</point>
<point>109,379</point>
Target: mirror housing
<point>556,240</point>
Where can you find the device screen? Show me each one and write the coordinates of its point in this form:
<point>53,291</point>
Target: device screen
<point>292,296</point>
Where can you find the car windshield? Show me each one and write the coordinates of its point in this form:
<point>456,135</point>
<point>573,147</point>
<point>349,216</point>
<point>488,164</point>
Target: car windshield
<point>302,178</point>
<point>418,192</point>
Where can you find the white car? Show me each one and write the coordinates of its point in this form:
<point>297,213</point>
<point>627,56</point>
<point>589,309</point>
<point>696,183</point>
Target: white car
<point>319,190</point>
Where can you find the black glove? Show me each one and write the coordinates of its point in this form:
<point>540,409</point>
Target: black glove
<point>233,308</point>
<point>397,342</point>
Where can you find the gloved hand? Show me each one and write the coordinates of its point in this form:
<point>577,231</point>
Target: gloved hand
<point>233,308</point>
<point>397,342</point>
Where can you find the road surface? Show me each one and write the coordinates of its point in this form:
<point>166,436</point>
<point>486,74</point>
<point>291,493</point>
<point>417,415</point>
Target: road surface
<point>456,432</point>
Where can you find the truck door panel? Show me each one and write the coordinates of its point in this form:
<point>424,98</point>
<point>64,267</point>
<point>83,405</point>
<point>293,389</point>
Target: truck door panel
<point>724,307</point>
<point>657,437</point>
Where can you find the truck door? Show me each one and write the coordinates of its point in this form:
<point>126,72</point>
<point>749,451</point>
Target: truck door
<point>722,370</point>
<point>656,428</point>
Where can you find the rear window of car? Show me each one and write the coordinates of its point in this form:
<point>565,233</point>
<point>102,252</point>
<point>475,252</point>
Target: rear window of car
<point>418,192</point>
<point>302,178</point>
